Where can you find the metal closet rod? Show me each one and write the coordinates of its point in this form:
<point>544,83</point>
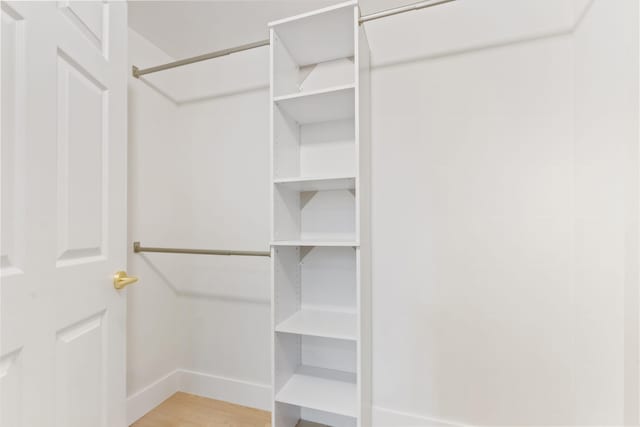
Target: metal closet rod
<point>137,248</point>
<point>366,18</point>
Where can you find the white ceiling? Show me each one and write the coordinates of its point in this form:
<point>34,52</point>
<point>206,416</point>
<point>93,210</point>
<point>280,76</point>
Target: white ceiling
<point>188,28</point>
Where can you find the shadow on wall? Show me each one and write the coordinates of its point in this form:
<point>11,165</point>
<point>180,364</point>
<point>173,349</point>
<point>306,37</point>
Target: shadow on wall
<point>441,39</point>
<point>204,98</point>
<point>212,277</point>
<point>222,77</point>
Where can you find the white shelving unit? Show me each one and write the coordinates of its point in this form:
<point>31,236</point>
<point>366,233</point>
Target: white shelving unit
<point>320,210</point>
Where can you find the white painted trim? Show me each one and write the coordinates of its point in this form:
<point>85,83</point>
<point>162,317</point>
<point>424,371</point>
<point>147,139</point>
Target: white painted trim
<point>144,400</point>
<point>240,392</point>
<point>637,414</point>
<point>246,393</point>
<point>384,417</point>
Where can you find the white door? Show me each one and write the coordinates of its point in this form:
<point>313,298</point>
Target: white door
<point>62,323</point>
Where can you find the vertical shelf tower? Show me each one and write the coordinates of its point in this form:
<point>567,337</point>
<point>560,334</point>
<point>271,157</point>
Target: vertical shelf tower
<point>320,219</point>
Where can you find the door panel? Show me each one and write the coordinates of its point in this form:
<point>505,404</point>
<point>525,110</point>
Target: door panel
<point>91,18</point>
<point>62,323</point>
<point>12,141</point>
<point>80,373</point>
<point>82,107</point>
<point>12,232</point>
<point>10,389</point>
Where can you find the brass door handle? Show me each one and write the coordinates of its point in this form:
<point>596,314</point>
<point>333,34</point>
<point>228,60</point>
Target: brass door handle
<point>120,279</point>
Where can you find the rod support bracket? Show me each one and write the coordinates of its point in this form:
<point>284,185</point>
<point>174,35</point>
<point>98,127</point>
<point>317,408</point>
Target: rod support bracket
<point>136,245</point>
<point>135,71</point>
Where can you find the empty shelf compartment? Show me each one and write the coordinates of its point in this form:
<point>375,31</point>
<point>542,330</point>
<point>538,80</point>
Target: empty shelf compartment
<point>318,36</point>
<point>322,216</point>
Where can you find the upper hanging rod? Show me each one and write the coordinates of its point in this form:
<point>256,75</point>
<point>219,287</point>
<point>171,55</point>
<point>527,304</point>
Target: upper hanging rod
<point>137,72</point>
<point>137,248</point>
<point>402,9</point>
<point>382,14</point>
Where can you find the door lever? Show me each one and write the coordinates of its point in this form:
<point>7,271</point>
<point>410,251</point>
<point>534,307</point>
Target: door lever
<point>121,279</point>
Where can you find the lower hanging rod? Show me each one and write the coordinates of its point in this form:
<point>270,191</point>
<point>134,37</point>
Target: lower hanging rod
<point>137,72</point>
<point>137,248</point>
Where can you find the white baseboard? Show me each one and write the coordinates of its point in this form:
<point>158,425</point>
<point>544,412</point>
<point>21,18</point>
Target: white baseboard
<point>249,394</point>
<point>231,390</point>
<point>384,417</point>
<point>151,396</point>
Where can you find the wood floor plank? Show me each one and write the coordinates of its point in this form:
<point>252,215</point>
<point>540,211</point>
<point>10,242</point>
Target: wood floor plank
<point>188,410</point>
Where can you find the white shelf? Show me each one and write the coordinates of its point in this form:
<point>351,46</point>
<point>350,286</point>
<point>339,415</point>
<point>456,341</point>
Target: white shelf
<point>320,35</point>
<point>337,243</point>
<point>321,323</point>
<point>312,93</point>
<point>336,103</point>
<point>320,393</point>
<point>317,183</point>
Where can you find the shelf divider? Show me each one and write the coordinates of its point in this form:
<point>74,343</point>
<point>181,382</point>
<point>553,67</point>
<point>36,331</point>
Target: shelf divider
<point>322,394</point>
<point>317,183</point>
<point>321,323</point>
<point>319,106</point>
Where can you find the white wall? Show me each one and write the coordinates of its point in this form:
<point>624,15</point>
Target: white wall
<point>504,139</point>
<point>504,216</point>
<point>225,306</point>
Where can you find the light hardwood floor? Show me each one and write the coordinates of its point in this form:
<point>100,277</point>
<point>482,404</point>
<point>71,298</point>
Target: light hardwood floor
<point>188,410</point>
